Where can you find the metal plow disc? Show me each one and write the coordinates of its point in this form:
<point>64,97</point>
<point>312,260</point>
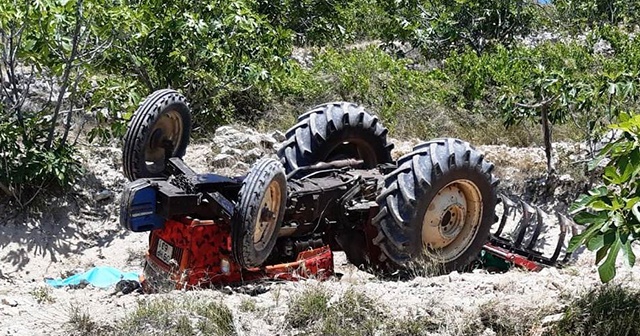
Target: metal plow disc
<point>528,237</point>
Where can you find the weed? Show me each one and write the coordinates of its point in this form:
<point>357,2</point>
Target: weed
<point>276,293</point>
<point>82,322</point>
<point>248,305</point>
<point>187,316</point>
<point>506,320</point>
<point>43,295</point>
<point>311,305</point>
<point>353,314</point>
<point>610,310</point>
<point>410,326</point>
<point>431,264</point>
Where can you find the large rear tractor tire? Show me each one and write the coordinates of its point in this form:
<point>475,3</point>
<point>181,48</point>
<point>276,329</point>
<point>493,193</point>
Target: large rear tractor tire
<point>436,208</point>
<point>258,213</point>
<point>159,129</point>
<point>335,131</point>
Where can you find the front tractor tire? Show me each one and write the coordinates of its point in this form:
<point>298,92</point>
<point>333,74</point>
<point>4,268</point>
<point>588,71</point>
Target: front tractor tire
<point>335,131</point>
<point>436,207</point>
<point>159,130</point>
<point>258,214</point>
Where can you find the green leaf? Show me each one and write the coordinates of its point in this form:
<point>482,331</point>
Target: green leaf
<point>629,256</point>
<point>581,203</point>
<point>602,252</point>
<point>577,240</point>
<point>590,218</point>
<point>600,205</point>
<point>607,270</point>
<point>599,241</point>
<point>636,211</point>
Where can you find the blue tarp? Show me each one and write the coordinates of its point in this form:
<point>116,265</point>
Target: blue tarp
<point>101,276</point>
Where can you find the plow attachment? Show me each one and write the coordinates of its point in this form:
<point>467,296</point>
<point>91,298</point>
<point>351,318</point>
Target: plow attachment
<point>528,237</point>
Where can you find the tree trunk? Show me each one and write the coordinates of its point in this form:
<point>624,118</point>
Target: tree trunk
<point>65,74</point>
<point>546,130</point>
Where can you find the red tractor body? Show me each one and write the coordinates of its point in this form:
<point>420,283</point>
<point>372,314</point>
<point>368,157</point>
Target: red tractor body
<point>189,253</point>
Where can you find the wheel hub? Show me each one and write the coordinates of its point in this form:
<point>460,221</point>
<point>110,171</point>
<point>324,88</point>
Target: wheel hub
<point>452,219</point>
<point>266,221</point>
<point>166,133</point>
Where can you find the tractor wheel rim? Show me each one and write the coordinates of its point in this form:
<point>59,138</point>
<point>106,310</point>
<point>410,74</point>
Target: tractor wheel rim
<point>168,128</point>
<point>267,218</point>
<point>451,221</point>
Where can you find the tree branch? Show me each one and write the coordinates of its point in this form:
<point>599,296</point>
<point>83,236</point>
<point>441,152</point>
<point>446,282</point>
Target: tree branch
<point>540,104</point>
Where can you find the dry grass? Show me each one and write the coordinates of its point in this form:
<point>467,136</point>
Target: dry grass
<point>315,312</point>
<point>183,316</point>
<point>609,310</point>
<point>506,320</point>
<point>248,305</point>
<point>81,322</point>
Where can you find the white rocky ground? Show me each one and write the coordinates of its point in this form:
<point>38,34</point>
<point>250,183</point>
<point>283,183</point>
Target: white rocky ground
<point>81,230</point>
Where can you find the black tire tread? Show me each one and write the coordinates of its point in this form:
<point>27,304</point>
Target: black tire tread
<point>316,126</point>
<point>413,178</point>
<point>146,114</point>
<point>249,200</point>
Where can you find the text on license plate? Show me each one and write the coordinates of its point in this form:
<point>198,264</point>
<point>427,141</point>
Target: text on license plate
<point>164,251</point>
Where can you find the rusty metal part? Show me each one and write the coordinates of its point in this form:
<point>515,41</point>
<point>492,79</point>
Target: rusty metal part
<point>520,245</point>
<point>338,164</point>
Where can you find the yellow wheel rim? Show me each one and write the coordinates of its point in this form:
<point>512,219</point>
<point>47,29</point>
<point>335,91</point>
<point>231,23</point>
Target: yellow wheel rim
<point>452,219</point>
<point>168,128</point>
<point>267,218</point>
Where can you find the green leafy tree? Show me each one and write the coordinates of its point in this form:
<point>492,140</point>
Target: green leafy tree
<point>596,12</point>
<point>52,40</point>
<point>437,27</point>
<point>322,22</point>
<point>611,212</point>
<point>222,55</point>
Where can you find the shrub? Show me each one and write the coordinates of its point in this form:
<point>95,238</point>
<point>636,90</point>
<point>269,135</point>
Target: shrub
<point>36,153</point>
<point>397,90</point>
<point>438,27</point>
<point>596,12</point>
<point>326,22</point>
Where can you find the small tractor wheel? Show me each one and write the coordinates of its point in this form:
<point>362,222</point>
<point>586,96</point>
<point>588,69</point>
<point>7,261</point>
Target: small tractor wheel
<point>258,213</point>
<point>437,206</point>
<point>335,131</point>
<point>158,130</point>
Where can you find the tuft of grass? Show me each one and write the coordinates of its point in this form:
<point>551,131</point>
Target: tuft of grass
<point>308,307</point>
<point>43,294</point>
<point>506,320</point>
<point>609,310</point>
<point>412,326</point>
<point>178,317</point>
<point>248,305</point>
<point>81,322</point>
<point>353,314</point>
<point>431,264</point>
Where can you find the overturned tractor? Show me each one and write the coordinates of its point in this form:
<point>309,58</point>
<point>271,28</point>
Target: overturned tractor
<point>333,187</point>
